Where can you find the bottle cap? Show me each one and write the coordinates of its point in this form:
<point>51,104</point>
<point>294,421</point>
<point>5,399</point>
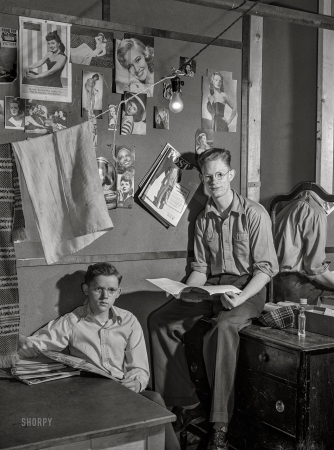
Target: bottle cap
<point>303,301</point>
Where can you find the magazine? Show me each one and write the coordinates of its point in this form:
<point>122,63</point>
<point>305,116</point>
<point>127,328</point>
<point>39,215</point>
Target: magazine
<point>181,290</point>
<point>51,365</point>
<point>168,186</point>
<point>41,369</point>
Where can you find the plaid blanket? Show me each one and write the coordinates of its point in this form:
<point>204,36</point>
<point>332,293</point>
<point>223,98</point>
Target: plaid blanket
<point>279,318</point>
<point>9,295</point>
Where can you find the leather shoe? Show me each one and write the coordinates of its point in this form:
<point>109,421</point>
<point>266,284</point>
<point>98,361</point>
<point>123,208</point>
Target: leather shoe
<point>218,439</point>
<point>185,416</point>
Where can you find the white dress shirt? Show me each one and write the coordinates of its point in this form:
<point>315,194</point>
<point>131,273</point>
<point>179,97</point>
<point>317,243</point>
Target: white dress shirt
<point>117,347</point>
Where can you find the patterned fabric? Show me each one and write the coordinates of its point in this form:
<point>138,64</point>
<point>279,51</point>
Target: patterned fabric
<point>9,295</point>
<point>279,318</point>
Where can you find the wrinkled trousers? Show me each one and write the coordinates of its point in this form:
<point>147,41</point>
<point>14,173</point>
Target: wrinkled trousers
<point>221,345</point>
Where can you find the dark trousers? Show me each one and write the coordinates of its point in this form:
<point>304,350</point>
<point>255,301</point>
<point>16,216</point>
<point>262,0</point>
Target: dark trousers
<point>292,286</point>
<point>171,441</point>
<point>221,344</point>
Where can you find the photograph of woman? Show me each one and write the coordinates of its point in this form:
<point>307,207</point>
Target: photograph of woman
<point>161,118</point>
<point>188,66</point>
<point>14,110</point>
<point>135,64</point>
<point>44,49</point>
<point>134,114</point>
<point>92,93</point>
<point>203,140</point>
<point>91,47</point>
<point>219,108</point>
<point>55,60</point>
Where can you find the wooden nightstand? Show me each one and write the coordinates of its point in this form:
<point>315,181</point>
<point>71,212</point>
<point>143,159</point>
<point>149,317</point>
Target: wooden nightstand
<point>284,391</point>
<point>284,388</point>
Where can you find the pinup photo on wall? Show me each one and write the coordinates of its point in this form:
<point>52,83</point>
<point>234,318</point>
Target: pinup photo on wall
<point>8,55</point>
<point>45,72</point>
<point>108,177</point>
<point>134,64</point>
<point>161,118</point>
<point>44,117</point>
<point>14,113</point>
<point>92,94</point>
<point>125,160</point>
<point>134,114</point>
<point>219,101</point>
<point>204,140</point>
<point>92,47</point>
<point>188,66</point>
<point>112,117</point>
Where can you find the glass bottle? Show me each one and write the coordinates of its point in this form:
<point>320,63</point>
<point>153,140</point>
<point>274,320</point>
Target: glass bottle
<point>302,317</point>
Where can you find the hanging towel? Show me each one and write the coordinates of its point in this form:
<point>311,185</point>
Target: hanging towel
<point>63,183</point>
<point>9,294</point>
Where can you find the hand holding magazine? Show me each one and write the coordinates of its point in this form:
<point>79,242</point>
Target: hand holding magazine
<point>181,290</point>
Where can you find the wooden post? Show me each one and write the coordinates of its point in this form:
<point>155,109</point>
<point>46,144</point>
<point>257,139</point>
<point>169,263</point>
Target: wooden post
<point>254,108</point>
<point>106,10</point>
<point>325,103</point>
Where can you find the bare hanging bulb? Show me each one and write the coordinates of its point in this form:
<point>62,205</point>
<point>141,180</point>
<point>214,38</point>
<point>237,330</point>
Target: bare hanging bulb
<point>176,103</point>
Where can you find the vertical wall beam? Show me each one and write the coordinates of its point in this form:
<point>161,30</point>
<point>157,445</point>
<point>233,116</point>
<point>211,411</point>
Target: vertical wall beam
<point>254,108</point>
<point>244,105</point>
<point>106,10</point>
<point>325,103</point>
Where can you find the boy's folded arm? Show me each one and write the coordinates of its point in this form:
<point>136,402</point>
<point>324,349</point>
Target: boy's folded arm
<point>53,336</point>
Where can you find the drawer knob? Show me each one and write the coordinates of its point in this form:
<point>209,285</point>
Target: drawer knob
<point>193,367</point>
<point>263,357</point>
<point>280,406</point>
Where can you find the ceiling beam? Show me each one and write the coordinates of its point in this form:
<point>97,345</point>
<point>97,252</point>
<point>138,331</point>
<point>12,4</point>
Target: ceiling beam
<point>270,11</point>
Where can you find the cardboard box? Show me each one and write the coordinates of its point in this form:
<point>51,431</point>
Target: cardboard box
<point>316,320</point>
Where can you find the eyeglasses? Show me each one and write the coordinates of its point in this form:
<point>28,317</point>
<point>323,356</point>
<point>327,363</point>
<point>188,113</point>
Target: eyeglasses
<point>218,176</point>
<point>100,290</point>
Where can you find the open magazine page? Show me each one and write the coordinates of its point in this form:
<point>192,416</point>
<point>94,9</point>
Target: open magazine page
<point>76,363</point>
<point>171,188</point>
<point>197,292</point>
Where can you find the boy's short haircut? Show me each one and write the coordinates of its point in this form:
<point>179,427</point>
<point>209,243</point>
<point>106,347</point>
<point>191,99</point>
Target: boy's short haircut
<point>214,154</point>
<point>102,268</point>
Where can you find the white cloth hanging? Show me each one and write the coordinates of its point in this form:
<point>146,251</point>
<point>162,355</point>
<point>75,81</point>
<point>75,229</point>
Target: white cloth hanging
<point>61,176</point>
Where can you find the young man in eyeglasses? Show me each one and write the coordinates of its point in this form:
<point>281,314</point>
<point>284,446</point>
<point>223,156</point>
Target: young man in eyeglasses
<point>102,334</point>
<point>233,246</point>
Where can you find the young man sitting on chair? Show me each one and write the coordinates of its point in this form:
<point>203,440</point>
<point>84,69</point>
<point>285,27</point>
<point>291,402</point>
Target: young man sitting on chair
<point>233,246</point>
<point>104,335</point>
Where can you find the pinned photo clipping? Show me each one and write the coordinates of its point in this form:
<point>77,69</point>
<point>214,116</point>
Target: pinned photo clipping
<point>134,64</point>
<point>45,72</point>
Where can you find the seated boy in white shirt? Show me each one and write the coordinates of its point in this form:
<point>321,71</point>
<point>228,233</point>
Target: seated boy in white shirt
<point>109,337</point>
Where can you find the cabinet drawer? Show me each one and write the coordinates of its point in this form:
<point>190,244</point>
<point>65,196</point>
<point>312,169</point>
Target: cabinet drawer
<point>269,359</point>
<point>267,400</point>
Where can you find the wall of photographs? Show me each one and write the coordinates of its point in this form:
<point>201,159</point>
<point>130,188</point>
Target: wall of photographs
<point>139,244</point>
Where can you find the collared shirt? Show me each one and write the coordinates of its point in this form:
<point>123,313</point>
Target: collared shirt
<point>241,244</point>
<point>117,347</point>
<point>300,236</point>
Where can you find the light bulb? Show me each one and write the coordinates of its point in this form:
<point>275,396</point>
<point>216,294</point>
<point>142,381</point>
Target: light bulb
<point>176,104</point>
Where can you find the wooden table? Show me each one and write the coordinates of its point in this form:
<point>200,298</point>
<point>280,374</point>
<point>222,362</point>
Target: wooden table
<point>86,413</point>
